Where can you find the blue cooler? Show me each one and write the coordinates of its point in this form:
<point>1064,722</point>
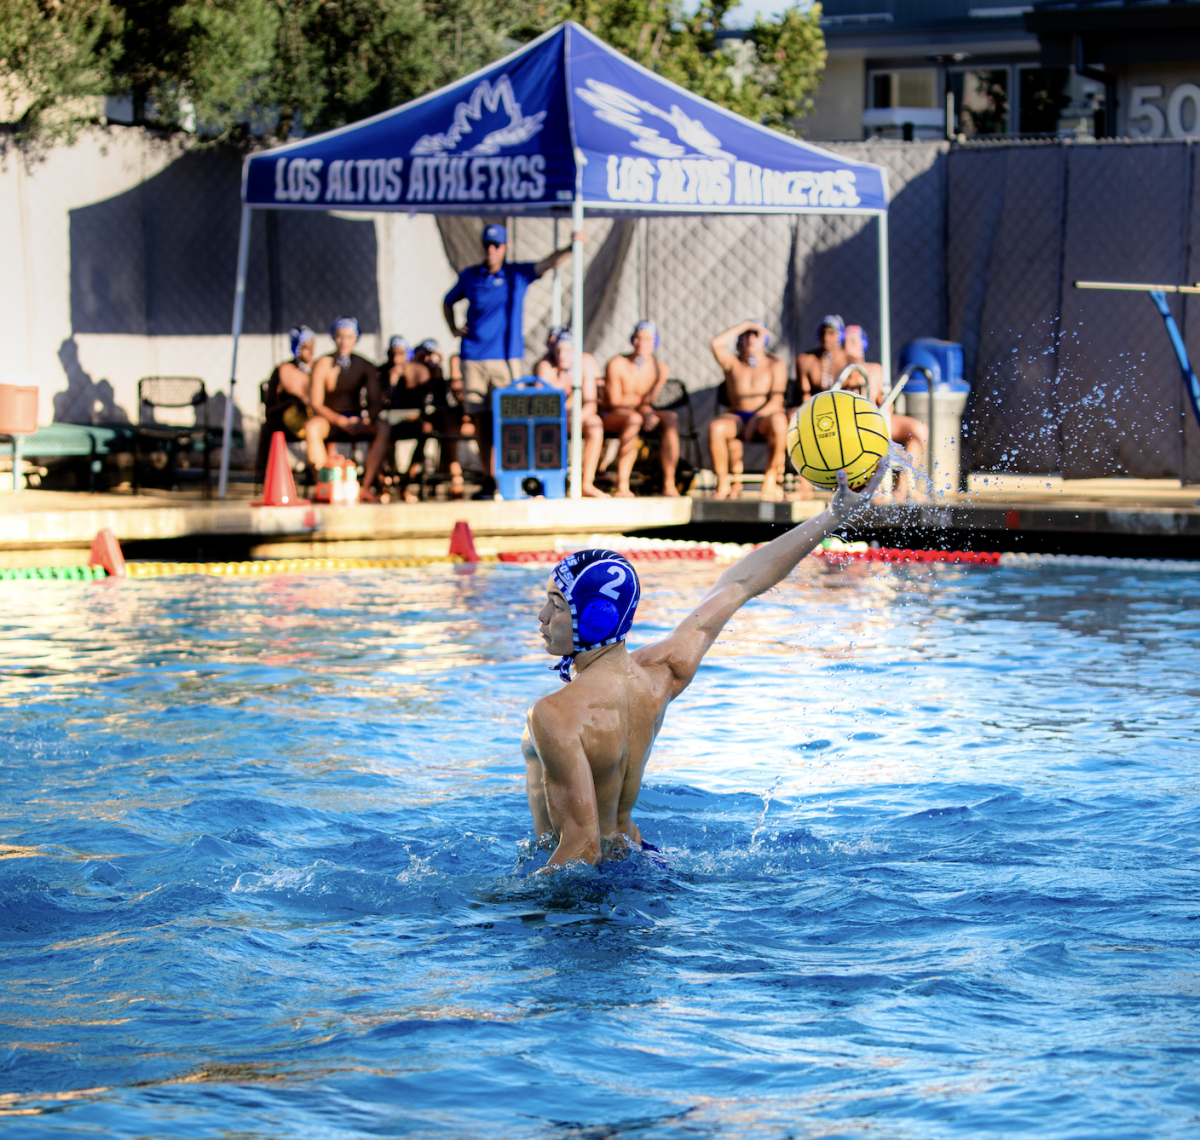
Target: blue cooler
<point>944,359</point>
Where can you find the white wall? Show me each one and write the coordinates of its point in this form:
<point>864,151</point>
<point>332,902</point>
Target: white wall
<point>35,302</point>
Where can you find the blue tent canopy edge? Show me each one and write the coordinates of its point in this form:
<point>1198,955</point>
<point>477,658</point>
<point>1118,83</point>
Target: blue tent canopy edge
<point>565,114</point>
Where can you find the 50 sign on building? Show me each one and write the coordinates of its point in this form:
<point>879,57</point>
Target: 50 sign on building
<point>1151,116</point>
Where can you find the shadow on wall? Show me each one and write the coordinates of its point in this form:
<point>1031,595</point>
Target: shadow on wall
<point>86,401</point>
<point>161,258</point>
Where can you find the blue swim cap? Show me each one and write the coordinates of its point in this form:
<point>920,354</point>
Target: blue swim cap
<point>645,326</point>
<point>495,234</point>
<point>603,591</point>
<point>299,337</point>
<point>766,336</point>
<point>344,323</point>
<point>400,342</point>
<point>833,321</point>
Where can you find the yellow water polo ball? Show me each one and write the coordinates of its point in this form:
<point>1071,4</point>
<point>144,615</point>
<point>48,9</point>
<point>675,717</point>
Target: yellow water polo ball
<point>835,430</point>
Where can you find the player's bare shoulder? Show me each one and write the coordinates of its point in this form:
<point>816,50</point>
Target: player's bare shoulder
<point>555,711</point>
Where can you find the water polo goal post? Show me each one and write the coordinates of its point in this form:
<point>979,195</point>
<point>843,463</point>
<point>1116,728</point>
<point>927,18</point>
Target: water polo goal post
<point>1158,295</point>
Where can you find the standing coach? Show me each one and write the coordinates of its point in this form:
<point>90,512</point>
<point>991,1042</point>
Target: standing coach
<point>493,339</point>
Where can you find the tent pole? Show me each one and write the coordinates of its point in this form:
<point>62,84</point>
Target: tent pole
<point>577,351</point>
<point>556,288</point>
<point>239,307</point>
<point>885,306</point>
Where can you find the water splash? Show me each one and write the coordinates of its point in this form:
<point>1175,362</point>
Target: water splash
<point>900,461</point>
<point>762,819</point>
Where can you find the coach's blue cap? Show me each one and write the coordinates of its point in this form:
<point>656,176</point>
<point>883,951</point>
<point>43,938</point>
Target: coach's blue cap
<point>495,234</point>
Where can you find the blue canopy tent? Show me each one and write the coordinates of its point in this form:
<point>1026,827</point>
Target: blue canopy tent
<point>566,125</point>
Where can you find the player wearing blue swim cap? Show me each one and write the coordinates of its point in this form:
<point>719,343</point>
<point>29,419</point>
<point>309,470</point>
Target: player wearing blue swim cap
<point>586,745</point>
<point>602,591</point>
<point>755,390</point>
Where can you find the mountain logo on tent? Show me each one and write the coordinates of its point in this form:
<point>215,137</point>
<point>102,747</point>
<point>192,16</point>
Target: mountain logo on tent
<point>629,113</point>
<point>493,98</point>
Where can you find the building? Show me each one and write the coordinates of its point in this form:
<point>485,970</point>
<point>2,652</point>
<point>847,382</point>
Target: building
<point>920,69</point>
<point>1146,56</point>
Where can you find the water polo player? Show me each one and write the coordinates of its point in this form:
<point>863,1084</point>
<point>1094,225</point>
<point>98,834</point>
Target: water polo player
<point>587,744</point>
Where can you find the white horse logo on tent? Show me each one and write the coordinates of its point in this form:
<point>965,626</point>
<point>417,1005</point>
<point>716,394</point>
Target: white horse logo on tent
<point>626,111</point>
<point>490,97</point>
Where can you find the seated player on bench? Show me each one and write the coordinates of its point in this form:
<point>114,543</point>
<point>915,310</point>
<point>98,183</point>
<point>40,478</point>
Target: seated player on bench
<point>631,384</point>
<point>819,369</point>
<point>558,372</point>
<point>755,383</point>
<point>288,404</point>
<point>338,382</point>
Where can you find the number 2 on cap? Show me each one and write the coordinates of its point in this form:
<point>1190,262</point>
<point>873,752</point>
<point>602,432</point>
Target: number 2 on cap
<point>609,589</point>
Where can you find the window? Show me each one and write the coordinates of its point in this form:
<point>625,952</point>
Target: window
<point>904,89</point>
<point>981,100</point>
<point>917,88</point>
<point>883,89</point>
<point>1042,96</point>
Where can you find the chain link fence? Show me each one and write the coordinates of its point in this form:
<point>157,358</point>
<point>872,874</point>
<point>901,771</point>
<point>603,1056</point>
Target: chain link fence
<point>1080,382</point>
<point>986,241</point>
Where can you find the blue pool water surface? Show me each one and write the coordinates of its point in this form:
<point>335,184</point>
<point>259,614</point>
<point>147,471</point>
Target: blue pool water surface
<point>929,864</point>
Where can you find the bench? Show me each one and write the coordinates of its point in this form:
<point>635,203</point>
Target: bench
<point>66,441</point>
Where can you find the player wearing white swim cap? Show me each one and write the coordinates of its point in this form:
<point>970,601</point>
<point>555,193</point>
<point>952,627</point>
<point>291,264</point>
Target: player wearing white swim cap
<point>587,744</point>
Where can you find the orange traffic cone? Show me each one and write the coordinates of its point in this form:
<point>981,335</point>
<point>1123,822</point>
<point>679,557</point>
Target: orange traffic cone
<point>463,542</point>
<point>279,488</point>
<point>106,552</point>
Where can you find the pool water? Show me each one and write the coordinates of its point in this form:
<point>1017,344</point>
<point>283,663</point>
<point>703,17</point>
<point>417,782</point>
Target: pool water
<point>929,864</point>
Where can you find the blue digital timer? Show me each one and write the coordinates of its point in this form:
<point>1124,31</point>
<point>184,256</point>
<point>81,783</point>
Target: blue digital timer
<point>529,434</point>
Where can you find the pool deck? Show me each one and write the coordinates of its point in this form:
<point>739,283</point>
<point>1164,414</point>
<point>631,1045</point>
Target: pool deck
<point>1021,508</point>
<point>56,528</point>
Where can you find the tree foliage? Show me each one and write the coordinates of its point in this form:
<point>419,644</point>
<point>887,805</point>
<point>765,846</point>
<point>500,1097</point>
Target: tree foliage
<point>269,69</point>
<point>769,76</point>
<point>273,67</point>
<point>56,57</point>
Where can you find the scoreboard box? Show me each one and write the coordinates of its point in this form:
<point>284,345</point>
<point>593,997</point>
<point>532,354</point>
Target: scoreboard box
<point>529,435</point>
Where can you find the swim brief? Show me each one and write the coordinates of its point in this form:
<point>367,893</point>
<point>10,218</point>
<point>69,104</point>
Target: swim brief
<point>295,419</point>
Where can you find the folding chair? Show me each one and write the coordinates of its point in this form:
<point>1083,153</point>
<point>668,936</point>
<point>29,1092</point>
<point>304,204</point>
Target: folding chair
<point>172,392</point>
<point>674,397</point>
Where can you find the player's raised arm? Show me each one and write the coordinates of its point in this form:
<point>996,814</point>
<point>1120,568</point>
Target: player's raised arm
<point>757,572</point>
<point>720,343</point>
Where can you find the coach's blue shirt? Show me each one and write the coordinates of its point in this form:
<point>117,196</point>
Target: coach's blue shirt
<point>497,309</point>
